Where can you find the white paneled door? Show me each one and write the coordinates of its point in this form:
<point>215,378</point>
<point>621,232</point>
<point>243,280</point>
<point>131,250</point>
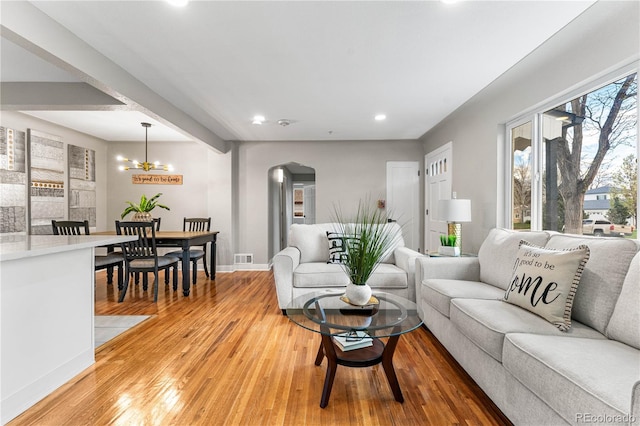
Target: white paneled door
<point>403,199</point>
<point>438,167</point>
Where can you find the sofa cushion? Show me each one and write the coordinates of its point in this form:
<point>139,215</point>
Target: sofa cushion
<point>625,320</point>
<point>388,276</point>
<point>311,240</point>
<point>602,277</point>
<point>575,376</point>
<point>322,274</point>
<point>544,281</point>
<point>319,274</point>
<point>439,292</point>
<point>498,251</point>
<point>337,247</point>
<point>486,322</point>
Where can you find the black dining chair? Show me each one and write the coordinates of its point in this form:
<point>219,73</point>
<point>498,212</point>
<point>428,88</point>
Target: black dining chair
<point>195,224</point>
<point>156,225</point>
<point>108,261</point>
<point>141,255</point>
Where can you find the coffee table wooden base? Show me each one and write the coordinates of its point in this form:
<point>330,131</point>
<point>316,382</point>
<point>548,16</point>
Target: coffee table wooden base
<point>364,357</point>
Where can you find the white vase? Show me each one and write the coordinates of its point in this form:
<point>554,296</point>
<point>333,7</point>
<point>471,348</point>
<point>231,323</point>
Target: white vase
<point>358,294</point>
<point>449,251</point>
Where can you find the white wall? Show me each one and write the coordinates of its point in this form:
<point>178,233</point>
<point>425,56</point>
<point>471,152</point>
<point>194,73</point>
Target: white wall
<point>206,189</point>
<point>22,122</point>
<point>604,38</point>
<point>233,191</point>
<point>346,171</point>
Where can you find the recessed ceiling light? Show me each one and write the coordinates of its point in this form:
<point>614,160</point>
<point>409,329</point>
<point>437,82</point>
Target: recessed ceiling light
<point>178,3</point>
<point>380,117</point>
<point>258,119</point>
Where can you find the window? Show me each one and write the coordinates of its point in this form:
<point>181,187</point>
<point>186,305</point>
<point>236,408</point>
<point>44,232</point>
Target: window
<point>521,136</point>
<point>557,154</point>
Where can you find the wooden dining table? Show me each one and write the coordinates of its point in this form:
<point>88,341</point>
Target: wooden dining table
<point>184,240</point>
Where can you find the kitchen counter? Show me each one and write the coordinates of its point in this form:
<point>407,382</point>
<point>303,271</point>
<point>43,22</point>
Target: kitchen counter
<point>46,314</point>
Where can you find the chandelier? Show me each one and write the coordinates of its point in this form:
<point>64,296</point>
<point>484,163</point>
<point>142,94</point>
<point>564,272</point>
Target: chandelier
<point>146,166</point>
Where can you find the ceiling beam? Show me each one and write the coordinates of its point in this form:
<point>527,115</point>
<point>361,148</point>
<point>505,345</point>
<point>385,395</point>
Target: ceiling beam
<point>58,96</point>
<point>28,27</point>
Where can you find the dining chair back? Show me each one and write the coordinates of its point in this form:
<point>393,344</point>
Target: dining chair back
<point>141,254</point>
<point>156,225</point>
<point>70,227</point>
<point>196,224</point>
<point>108,261</point>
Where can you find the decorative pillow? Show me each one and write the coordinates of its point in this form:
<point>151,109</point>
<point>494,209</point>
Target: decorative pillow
<point>337,247</point>
<point>545,281</point>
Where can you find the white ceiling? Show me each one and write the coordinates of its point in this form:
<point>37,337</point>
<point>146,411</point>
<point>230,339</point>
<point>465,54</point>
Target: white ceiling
<point>327,66</point>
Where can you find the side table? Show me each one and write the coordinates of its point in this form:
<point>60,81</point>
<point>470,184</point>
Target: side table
<point>436,254</point>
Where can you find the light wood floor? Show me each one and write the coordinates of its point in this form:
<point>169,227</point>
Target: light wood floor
<point>226,355</point>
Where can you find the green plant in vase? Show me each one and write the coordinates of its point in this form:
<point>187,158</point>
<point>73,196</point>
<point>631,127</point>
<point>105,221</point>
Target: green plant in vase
<point>143,208</point>
<point>448,245</point>
<point>368,238</point>
<point>448,240</point>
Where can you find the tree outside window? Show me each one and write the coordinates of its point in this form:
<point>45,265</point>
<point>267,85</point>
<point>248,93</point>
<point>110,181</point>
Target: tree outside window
<point>586,143</point>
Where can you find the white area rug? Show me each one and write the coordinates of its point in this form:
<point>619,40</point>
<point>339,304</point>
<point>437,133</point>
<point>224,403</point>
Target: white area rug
<point>109,326</point>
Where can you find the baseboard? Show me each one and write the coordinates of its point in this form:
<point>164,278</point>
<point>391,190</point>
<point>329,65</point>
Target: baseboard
<point>221,269</point>
<point>238,267</point>
<point>16,404</point>
<point>251,267</point>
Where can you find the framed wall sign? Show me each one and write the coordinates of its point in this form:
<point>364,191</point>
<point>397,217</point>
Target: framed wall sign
<point>147,179</point>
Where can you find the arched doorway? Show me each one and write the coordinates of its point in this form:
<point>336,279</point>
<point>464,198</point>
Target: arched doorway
<point>292,199</point>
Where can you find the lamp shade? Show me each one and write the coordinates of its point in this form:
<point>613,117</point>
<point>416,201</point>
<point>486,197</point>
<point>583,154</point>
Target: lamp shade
<point>454,210</point>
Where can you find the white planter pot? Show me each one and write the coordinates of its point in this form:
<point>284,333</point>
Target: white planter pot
<point>358,294</point>
<point>449,251</point>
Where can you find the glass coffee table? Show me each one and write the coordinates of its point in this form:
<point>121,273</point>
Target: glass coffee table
<point>330,315</point>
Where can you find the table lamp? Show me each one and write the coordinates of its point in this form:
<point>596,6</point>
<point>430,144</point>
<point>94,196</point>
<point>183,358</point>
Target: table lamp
<point>455,211</point>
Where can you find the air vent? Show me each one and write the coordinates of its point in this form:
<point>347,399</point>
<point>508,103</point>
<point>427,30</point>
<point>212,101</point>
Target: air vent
<point>243,258</point>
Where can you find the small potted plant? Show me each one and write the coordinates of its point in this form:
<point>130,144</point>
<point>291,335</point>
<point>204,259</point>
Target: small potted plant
<point>143,208</point>
<point>448,247</point>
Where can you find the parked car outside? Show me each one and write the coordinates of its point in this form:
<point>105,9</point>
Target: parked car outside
<point>601,228</point>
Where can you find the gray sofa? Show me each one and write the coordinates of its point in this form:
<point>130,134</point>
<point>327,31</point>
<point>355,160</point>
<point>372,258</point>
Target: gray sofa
<point>302,266</point>
<point>535,373</point>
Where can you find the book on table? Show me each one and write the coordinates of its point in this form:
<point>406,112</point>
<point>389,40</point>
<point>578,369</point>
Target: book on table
<point>352,340</point>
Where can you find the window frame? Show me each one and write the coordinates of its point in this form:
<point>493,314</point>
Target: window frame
<point>534,115</point>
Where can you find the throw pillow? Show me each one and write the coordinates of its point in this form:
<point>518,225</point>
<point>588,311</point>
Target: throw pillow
<point>337,247</point>
<point>545,281</point>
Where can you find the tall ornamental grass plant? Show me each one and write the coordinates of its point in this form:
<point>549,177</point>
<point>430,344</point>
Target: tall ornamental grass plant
<point>368,240</point>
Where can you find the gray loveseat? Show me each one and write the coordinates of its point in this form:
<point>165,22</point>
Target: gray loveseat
<point>533,372</point>
<point>303,266</point>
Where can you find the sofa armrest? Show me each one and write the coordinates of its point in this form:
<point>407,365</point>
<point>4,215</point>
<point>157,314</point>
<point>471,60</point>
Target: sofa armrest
<point>284,263</point>
<point>452,268</point>
<point>449,268</point>
<point>406,260</point>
